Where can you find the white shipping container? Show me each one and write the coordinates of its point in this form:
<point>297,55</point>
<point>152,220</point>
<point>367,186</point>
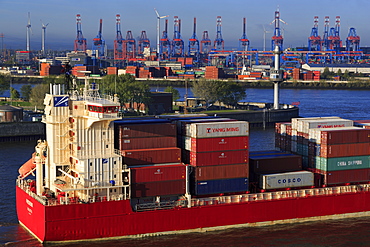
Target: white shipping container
<point>286,180</point>
<point>295,121</point>
<point>294,135</point>
<point>283,128</point>
<point>219,129</point>
<point>304,126</point>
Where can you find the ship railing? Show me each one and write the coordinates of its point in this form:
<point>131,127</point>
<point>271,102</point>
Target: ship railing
<point>280,195</point>
<point>160,205</point>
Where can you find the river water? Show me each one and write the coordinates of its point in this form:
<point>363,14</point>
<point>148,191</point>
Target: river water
<point>351,104</point>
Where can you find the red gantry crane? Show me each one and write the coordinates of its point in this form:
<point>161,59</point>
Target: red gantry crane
<point>119,44</point>
<point>80,42</point>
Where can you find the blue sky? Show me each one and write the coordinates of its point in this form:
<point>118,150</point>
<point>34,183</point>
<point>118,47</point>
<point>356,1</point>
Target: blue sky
<point>138,15</point>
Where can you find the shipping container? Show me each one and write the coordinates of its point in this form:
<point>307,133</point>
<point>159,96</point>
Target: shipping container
<point>216,143</point>
<point>151,129</point>
<point>345,176</point>
<point>155,173</point>
<point>342,163</point>
<point>183,125</point>
<point>340,135</point>
<point>147,142</point>
<point>295,121</point>
<point>305,125</point>
<point>162,188</point>
<point>286,180</point>
<point>344,150</point>
<point>275,163</point>
<point>206,130</point>
<point>151,156</point>
<point>219,158</point>
<point>220,172</point>
<point>219,186</point>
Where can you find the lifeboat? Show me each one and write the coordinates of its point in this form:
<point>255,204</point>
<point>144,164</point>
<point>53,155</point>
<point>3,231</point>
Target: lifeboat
<point>26,168</point>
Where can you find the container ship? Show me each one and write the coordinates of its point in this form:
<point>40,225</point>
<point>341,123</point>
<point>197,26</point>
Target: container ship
<point>98,176</point>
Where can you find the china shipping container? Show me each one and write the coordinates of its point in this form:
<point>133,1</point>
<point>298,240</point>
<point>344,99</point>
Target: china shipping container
<point>219,158</point>
<point>344,176</point>
<point>147,142</point>
<point>223,129</point>
<point>151,156</point>
<point>219,186</point>
<point>216,143</point>
<point>155,173</point>
<point>286,180</point>
<point>161,188</point>
<point>220,172</point>
<point>342,163</point>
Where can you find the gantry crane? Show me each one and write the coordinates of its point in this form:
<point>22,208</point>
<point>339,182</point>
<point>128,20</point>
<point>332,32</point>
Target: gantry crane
<point>277,39</point>
<point>193,47</point>
<point>353,40</point>
<point>244,41</point>
<point>98,48</point>
<point>165,44</point>
<point>205,43</point>
<point>119,44</point>
<point>314,41</point>
<point>335,43</point>
<point>218,44</point>
<point>325,40</point>
<point>130,45</point>
<point>143,43</point>
<point>80,43</point>
<point>177,42</point>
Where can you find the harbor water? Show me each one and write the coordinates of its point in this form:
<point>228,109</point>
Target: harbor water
<point>351,104</point>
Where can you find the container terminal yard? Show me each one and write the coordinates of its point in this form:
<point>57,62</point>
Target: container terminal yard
<point>175,57</point>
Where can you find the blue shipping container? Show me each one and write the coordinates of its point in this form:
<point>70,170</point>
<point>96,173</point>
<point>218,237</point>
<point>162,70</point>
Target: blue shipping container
<point>219,186</point>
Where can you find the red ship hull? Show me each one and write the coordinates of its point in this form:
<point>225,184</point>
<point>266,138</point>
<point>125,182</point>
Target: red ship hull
<point>116,218</point>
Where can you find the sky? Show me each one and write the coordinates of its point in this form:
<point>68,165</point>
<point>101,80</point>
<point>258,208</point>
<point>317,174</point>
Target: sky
<point>139,15</point>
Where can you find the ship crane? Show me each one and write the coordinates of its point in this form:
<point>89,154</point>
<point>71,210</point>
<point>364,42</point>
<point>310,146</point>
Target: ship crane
<point>143,43</point>
<point>177,42</point>
<point>130,45</point>
<point>193,47</point>
<point>334,41</point>
<point>218,44</point>
<point>98,49</point>
<point>119,44</point>
<point>244,41</point>
<point>314,41</point>
<point>80,42</point>
<point>277,39</point>
<point>205,43</point>
<point>43,37</point>
<point>353,40</point>
<point>165,44</point>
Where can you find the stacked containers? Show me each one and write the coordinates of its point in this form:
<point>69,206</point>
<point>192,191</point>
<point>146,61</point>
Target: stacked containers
<point>218,155</point>
<point>340,155</point>
<point>149,149</point>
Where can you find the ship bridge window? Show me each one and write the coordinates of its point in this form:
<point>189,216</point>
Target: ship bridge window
<point>95,108</point>
<point>110,109</point>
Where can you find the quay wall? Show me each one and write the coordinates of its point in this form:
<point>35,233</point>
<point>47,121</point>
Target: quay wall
<point>21,131</point>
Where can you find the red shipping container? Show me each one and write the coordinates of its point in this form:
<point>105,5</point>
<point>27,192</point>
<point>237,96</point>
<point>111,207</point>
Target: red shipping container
<point>345,136</point>
<point>219,143</point>
<point>345,176</point>
<point>147,142</point>
<point>151,156</point>
<point>219,158</point>
<point>345,150</point>
<point>220,172</point>
<point>147,130</point>
<point>162,188</point>
<point>155,173</point>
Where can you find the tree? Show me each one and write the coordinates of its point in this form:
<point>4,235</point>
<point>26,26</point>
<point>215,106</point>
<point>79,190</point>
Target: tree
<point>4,83</point>
<point>232,93</point>
<point>207,90</point>
<point>14,94</point>
<point>38,93</point>
<point>26,92</point>
<point>174,91</point>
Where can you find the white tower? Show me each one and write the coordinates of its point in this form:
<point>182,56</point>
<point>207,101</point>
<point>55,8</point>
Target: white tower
<point>43,35</point>
<point>276,76</point>
<point>28,32</point>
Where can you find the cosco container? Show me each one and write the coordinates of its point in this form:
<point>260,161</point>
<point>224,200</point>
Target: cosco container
<point>286,180</point>
<point>220,172</point>
<point>220,186</point>
<point>147,142</point>
<point>344,176</point>
<point>162,188</point>
<point>219,158</point>
<point>342,163</point>
<point>151,156</point>
<point>216,143</point>
<point>218,129</point>
<point>155,173</point>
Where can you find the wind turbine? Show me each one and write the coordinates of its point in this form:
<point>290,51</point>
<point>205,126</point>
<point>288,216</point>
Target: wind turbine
<point>43,34</point>
<point>264,37</point>
<point>29,30</point>
<point>158,27</point>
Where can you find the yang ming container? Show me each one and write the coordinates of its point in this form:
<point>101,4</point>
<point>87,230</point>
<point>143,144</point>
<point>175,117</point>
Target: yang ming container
<point>218,129</point>
<point>220,186</point>
<point>287,180</point>
<point>216,143</point>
